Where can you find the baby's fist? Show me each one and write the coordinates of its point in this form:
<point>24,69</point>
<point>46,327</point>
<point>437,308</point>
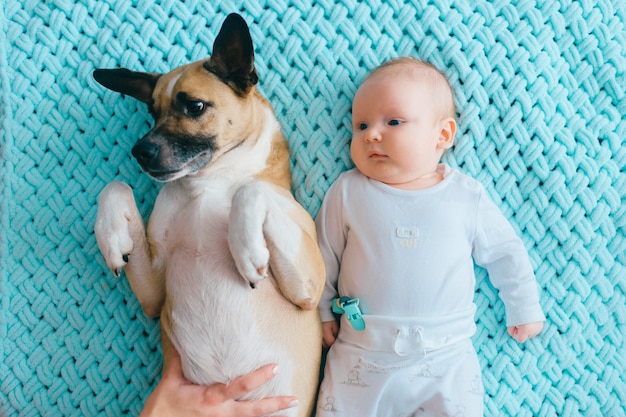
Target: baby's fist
<point>524,332</point>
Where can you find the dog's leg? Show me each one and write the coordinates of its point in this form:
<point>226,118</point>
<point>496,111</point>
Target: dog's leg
<point>269,228</point>
<point>245,234</point>
<point>298,269</point>
<point>167,346</point>
<point>121,237</point>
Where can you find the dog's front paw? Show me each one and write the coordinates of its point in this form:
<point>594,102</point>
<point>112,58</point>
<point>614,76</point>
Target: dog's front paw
<point>115,205</point>
<point>252,264</point>
<point>249,252</point>
<point>245,234</point>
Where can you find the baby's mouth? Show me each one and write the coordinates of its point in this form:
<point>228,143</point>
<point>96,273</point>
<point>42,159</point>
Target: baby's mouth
<point>376,155</point>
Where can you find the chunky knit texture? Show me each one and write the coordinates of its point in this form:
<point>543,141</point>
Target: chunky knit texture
<point>540,91</point>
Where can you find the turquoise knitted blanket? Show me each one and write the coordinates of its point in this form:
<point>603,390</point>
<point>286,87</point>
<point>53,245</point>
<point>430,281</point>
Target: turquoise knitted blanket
<point>540,90</point>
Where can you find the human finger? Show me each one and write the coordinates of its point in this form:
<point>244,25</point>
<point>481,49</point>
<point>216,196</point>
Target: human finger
<point>242,385</point>
<point>264,406</point>
<point>174,372</point>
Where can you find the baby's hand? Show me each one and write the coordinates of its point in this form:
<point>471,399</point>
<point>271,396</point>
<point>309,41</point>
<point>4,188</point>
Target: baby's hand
<point>524,332</point>
<point>330,329</point>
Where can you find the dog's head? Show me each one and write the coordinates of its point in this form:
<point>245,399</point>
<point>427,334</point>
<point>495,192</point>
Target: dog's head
<point>201,110</point>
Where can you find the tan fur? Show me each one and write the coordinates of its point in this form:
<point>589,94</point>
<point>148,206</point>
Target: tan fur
<point>215,231</point>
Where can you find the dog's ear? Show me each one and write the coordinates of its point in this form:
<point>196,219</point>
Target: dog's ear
<point>135,84</point>
<point>233,55</point>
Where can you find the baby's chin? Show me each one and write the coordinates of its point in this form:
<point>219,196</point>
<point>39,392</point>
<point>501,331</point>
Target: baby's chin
<point>374,174</point>
<point>409,183</point>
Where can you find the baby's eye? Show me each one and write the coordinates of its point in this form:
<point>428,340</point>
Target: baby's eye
<point>394,122</point>
<point>362,126</point>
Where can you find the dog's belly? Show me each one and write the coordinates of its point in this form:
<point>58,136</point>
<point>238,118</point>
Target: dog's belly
<point>222,327</point>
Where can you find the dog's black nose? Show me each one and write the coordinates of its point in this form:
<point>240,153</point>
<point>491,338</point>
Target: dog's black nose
<point>145,152</point>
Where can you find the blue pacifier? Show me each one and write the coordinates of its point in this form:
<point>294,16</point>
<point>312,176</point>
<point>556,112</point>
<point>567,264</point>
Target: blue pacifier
<point>350,307</point>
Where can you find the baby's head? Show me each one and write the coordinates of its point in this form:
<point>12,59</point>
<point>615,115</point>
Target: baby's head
<point>427,76</point>
<point>403,119</point>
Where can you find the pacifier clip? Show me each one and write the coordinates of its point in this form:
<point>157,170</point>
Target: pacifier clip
<point>350,307</point>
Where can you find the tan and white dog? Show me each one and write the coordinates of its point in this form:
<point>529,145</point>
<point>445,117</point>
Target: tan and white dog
<point>229,259</point>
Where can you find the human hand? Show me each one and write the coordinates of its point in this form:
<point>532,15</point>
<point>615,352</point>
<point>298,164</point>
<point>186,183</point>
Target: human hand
<point>524,332</point>
<point>175,396</point>
<point>330,329</point>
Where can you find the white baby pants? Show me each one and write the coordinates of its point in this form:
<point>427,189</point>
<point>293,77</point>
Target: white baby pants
<point>385,371</point>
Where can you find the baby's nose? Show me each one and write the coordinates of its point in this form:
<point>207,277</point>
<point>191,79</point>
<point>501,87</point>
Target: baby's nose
<point>372,135</point>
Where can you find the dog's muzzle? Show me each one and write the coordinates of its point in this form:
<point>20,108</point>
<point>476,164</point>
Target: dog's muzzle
<point>166,158</point>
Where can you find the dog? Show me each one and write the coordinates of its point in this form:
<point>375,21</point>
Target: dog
<point>228,259</point>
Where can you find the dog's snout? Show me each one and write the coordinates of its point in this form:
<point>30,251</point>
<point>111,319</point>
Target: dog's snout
<point>145,152</point>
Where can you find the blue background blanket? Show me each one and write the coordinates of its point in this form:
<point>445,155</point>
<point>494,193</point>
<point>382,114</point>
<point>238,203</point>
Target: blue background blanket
<point>540,90</point>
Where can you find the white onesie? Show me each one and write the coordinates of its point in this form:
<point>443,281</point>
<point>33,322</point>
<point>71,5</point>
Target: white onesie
<point>409,258</point>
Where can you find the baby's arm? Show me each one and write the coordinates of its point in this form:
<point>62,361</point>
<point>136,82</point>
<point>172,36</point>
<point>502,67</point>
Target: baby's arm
<point>524,332</point>
<point>498,249</point>
<point>330,329</point>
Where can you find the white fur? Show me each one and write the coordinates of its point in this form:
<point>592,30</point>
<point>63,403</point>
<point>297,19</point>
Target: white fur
<point>171,84</point>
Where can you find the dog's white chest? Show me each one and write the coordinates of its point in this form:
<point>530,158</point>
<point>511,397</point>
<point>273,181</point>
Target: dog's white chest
<point>199,230</point>
<point>196,249</point>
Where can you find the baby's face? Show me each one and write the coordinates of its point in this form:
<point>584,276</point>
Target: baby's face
<point>396,131</point>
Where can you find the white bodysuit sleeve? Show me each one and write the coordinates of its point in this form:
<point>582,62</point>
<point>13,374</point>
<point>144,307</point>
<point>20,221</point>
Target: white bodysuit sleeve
<point>498,249</point>
<point>331,234</point>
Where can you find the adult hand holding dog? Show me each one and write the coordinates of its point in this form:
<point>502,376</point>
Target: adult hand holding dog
<point>176,396</point>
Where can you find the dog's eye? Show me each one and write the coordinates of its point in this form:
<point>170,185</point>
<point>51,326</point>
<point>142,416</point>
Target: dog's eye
<point>194,108</point>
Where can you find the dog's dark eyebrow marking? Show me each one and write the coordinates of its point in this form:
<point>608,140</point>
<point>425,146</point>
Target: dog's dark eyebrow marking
<point>182,97</point>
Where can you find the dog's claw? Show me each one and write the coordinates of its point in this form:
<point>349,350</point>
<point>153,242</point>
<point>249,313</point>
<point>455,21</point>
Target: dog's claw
<point>262,274</point>
<point>117,271</point>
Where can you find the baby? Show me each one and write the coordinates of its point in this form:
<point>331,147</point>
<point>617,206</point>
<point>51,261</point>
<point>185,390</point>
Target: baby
<point>400,234</point>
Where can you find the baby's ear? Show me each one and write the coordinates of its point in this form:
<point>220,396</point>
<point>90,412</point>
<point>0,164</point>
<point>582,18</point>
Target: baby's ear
<point>447,133</point>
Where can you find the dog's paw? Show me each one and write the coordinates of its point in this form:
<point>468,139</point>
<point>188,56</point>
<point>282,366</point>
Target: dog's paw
<point>245,234</point>
<point>253,264</point>
<point>112,225</point>
<point>302,294</point>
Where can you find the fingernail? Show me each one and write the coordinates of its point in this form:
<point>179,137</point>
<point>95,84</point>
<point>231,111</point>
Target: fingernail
<point>294,403</point>
<point>276,369</point>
